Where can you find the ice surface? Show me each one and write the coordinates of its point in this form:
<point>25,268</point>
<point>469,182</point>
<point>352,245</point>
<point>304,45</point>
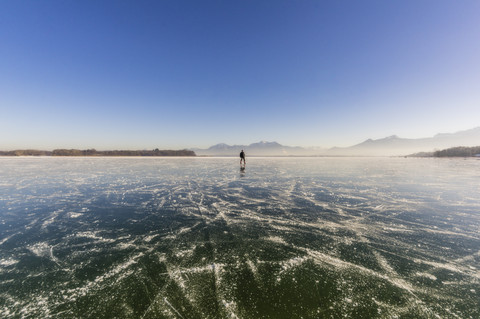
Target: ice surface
<point>197,238</point>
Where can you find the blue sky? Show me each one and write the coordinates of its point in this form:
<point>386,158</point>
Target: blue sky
<point>179,74</point>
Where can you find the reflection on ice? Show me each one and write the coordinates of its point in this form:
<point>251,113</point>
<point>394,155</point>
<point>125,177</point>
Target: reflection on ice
<point>194,238</point>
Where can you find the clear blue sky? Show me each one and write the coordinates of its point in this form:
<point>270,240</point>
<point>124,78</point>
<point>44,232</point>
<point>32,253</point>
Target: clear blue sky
<point>178,74</point>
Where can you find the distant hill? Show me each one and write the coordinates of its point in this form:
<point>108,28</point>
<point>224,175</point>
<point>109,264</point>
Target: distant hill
<point>395,146</point>
<point>388,146</point>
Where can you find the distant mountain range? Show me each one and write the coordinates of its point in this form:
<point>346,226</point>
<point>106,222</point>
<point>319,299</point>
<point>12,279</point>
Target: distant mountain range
<point>258,149</point>
<point>388,146</point>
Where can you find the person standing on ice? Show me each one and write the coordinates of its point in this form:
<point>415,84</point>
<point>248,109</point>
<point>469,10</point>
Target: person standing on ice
<point>242,158</point>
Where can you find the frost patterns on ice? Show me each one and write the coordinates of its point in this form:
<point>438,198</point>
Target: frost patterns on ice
<point>197,238</point>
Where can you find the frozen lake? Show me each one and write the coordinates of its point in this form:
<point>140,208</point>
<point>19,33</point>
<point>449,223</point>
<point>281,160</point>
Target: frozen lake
<point>197,238</point>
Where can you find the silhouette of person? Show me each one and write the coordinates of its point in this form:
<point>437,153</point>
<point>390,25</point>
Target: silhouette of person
<point>242,158</point>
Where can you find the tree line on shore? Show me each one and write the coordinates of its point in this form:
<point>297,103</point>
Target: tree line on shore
<point>460,151</point>
<point>93,152</point>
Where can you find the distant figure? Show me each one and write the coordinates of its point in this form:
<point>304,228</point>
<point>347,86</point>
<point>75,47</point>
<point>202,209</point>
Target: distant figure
<point>242,158</point>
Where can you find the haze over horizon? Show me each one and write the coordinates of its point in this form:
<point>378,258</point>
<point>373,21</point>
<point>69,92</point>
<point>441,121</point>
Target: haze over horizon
<point>183,74</point>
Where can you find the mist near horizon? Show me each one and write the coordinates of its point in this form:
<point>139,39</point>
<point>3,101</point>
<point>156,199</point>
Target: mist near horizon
<point>388,146</point>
